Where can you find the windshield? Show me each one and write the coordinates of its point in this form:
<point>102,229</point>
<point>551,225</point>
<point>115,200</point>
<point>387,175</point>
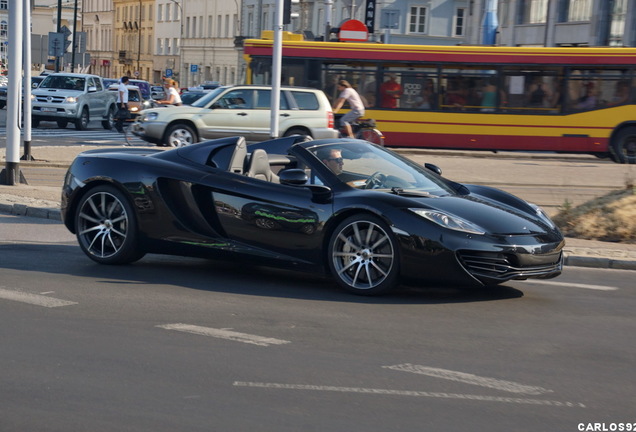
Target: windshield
<point>63,82</point>
<point>205,100</point>
<point>366,166</point>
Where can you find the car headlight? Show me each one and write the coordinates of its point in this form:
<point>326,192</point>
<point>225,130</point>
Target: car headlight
<point>150,116</point>
<point>449,221</point>
<point>71,99</point>
<point>134,109</point>
<point>543,215</point>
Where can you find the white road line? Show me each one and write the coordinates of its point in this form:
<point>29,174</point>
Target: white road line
<point>34,299</point>
<point>572,285</point>
<point>225,334</point>
<point>413,393</point>
<point>467,378</point>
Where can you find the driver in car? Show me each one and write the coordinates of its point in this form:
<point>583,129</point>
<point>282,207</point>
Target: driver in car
<point>332,158</point>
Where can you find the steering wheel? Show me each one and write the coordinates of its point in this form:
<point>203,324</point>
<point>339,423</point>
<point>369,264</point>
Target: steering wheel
<point>375,181</point>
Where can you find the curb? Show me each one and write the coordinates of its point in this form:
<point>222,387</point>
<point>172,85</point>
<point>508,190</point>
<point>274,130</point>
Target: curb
<point>570,258</point>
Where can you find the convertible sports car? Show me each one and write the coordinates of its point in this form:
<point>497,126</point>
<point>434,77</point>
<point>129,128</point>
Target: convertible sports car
<point>362,213</point>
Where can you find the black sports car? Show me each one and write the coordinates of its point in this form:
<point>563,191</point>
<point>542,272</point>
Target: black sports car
<point>366,215</point>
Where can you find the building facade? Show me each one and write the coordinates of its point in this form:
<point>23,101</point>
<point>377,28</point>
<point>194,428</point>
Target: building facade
<point>97,21</point>
<point>134,39</point>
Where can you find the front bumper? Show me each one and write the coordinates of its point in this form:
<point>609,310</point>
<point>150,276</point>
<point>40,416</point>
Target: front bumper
<point>55,111</point>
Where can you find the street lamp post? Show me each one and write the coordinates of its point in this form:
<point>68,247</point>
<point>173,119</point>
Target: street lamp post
<point>180,38</point>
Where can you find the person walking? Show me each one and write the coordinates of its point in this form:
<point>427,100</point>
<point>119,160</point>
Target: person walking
<point>349,95</point>
<point>122,104</point>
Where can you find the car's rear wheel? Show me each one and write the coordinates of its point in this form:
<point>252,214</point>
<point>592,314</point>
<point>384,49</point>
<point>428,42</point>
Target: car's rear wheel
<point>82,122</point>
<point>106,227</point>
<point>180,135</point>
<point>364,255</point>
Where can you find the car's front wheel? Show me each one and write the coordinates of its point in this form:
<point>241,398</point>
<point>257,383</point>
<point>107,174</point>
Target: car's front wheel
<point>106,227</point>
<point>82,122</point>
<point>364,256</point>
<point>109,122</point>
<point>180,135</point>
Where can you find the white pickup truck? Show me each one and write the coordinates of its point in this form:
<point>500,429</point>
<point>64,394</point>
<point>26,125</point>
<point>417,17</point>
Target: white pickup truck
<point>76,98</point>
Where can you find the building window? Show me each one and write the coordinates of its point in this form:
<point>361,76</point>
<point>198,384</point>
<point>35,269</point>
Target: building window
<point>617,26</point>
<point>534,11</point>
<point>579,10</point>
<point>160,12</point>
<point>3,4</point>
<point>460,22</point>
<point>417,20</point>
<point>3,28</point>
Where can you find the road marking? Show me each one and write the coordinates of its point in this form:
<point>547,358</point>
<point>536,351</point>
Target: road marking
<point>224,334</point>
<point>412,393</point>
<point>467,378</point>
<point>34,299</point>
<point>573,285</point>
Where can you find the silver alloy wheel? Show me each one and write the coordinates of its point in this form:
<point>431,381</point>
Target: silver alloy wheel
<point>103,225</point>
<point>363,255</point>
<point>180,137</point>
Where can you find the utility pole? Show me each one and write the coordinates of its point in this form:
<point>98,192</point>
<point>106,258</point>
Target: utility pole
<point>74,45</point>
<point>59,30</point>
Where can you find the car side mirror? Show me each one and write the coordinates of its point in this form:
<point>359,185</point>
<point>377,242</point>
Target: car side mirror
<point>92,89</point>
<point>432,167</point>
<point>293,177</point>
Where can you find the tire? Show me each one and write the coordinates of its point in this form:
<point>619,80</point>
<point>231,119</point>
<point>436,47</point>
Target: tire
<point>35,122</point>
<point>372,135</point>
<point>623,146</point>
<point>298,131</point>
<point>363,256</point>
<point>180,135</point>
<point>109,122</point>
<point>62,124</point>
<point>106,227</point>
<point>2,104</point>
<point>82,122</point>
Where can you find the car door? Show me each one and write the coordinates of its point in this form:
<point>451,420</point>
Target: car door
<point>273,220</point>
<point>96,99</point>
<point>261,114</point>
<point>229,115</point>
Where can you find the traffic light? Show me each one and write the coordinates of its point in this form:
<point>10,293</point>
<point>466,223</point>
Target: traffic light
<point>67,37</point>
<point>287,11</point>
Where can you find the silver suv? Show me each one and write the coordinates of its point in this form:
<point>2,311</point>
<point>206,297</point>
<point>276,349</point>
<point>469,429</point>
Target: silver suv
<point>238,110</point>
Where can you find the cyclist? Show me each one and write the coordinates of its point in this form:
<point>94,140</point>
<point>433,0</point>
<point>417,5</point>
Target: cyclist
<point>348,94</point>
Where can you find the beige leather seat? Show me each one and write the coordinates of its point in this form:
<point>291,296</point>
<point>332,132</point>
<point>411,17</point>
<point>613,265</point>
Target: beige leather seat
<point>259,167</point>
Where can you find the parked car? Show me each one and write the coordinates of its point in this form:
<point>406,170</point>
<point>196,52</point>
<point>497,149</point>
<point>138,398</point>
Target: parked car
<point>189,97</point>
<point>157,92</point>
<point>238,110</point>
<point>35,82</point>
<point>110,81</point>
<point>377,221</point>
<point>72,97</point>
<point>144,87</point>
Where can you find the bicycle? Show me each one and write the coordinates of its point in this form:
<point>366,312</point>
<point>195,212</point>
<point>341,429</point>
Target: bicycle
<point>364,129</point>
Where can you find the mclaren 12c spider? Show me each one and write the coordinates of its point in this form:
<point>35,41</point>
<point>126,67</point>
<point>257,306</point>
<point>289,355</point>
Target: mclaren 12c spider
<point>364,214</point>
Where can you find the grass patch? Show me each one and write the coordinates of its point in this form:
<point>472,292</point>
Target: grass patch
<point>610,218</point>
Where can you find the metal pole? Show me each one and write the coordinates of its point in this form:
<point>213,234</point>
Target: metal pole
<point>59,30</point>
<point>74,45</point>
<point>11,175</point>
<point>26,104</point>
<point>138,41</point>
<point>276,69</point>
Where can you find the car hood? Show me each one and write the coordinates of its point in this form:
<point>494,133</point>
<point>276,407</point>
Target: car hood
<point>493,216</point>
<point>67,92</point>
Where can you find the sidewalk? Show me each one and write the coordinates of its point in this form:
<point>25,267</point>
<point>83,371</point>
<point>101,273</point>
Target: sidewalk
<point>44,202</point>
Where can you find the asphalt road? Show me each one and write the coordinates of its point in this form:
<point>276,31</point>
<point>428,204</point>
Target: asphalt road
<point>174,344</point>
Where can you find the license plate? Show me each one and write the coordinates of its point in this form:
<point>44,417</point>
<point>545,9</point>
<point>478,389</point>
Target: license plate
<point>49,109</point>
